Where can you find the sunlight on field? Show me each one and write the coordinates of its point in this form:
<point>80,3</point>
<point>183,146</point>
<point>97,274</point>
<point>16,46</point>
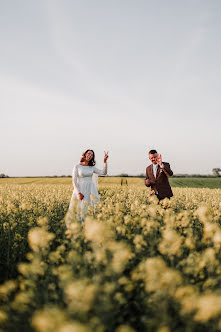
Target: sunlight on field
<point>175,182</point>
<point>135,265</point>
<point>64,180</point>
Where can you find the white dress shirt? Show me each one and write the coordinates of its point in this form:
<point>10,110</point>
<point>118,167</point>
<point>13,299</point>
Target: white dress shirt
<point>155,166</point>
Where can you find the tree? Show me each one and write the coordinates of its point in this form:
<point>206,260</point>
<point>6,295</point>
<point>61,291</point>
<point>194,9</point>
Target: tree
<point>141,175</point>
<point>123,175</point>
<point>216,171</point>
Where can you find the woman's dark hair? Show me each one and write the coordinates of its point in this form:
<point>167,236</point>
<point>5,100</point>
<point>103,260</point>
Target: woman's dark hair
<point>92,162</point>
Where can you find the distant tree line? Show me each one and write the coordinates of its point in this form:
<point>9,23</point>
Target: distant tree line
<point>216,172</point>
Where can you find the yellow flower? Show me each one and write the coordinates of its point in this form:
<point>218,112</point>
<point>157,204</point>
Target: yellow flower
<point>208,307</point>
<point>80,295</point>
<point>48,319</point>
<point>159,277</point>
<point>39,238</point>
<point>3,317</point>
<point>97,232</point>
<point>171,243</point>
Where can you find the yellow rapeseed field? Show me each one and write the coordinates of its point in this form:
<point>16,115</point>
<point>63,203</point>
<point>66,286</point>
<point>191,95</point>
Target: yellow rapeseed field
<point>135,265</point>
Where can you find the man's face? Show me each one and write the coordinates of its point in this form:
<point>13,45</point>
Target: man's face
<point>153,158</point>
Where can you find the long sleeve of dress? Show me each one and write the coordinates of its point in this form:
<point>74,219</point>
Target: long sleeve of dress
<point>101,172</point>
<point>75,179</point>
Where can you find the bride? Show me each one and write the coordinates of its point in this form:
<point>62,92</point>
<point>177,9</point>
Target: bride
<point>84,182</point>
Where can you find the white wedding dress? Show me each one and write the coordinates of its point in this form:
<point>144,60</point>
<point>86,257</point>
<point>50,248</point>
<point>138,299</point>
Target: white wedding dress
<point>85,182</point>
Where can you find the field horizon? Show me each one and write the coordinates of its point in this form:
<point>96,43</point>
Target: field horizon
<point>179,182</point>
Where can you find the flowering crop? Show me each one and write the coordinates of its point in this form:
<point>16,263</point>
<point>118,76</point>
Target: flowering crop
<point>135,264</point>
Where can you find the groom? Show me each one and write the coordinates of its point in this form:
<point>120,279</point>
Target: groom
<point>157,176</point>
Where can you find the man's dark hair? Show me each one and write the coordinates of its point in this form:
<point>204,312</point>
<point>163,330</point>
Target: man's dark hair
<point>152,151</point>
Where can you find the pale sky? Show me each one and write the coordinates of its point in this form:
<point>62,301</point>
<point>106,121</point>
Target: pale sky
<point>121,75</point>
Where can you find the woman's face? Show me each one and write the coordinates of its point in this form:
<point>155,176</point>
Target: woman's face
<point>89,155</point>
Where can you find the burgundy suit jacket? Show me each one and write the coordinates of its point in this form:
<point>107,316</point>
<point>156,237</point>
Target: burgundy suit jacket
<point>160,184</point>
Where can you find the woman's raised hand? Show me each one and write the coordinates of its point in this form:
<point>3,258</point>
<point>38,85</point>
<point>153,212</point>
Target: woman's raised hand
<point>105,157</point>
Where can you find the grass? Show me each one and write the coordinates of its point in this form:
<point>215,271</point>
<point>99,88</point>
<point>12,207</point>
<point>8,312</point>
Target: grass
<point>213,183</point>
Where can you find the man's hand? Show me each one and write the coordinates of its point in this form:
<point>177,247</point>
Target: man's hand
<point>147,182</point>
<point>81,196</point>
<point>159,160</point>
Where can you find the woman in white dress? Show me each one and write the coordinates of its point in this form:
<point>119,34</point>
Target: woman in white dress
<point>85,190</point>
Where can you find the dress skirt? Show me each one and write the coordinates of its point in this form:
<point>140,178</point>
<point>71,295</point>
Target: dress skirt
<point>88,188</point>
<point>84,182</point>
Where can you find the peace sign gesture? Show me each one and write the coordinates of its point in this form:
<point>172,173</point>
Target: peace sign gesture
<point>105,156</point>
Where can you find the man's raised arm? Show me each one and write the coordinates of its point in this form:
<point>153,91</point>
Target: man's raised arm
<point>167,170</point>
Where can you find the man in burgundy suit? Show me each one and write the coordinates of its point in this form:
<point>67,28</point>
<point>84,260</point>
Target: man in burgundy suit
<point>157,176</point>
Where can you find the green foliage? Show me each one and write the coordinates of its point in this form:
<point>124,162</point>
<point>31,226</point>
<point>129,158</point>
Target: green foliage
<point>216,171</point>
